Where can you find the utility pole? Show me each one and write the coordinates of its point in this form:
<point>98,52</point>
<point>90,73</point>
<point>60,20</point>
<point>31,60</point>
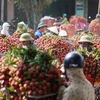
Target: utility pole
<point>2,10</point>
<point>99,7</point>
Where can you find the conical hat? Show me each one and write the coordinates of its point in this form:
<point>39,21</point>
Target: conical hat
<point>63,33</point>
<point>53,29</point>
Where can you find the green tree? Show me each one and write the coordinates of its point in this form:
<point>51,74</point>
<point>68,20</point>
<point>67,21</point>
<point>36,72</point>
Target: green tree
<point>35,6</point>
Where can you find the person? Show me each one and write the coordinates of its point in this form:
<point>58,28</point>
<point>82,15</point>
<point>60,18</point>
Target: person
<point>86,43</point>
<point>52,30</point>
<point>64,21</point>
<point>80,88</point>
<point>41,29</point>
<point>5,29</point>
<point>21,27</point>
<point>26,40</point>
<point>64,35</point>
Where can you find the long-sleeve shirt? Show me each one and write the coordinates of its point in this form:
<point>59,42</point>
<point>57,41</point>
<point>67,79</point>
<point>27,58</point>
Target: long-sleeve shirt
<point>38,34</point>
<point>64,21</point>
<point>79,89</point>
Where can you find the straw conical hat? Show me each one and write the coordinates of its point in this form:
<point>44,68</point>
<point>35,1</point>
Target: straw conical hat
<point>63,33</point>
<point>53,29</point>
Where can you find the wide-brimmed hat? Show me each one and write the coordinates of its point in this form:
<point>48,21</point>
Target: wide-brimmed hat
<point>85,38</point>
<point>26,37</point>
<point>53,29</point>
<point>41,24</point>
<point>63,33</point>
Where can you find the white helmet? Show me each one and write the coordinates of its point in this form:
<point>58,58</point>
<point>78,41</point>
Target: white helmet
<point>63,33</point>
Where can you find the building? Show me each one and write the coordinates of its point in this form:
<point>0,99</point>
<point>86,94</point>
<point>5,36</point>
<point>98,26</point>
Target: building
<point>6,10</point>
<point>84,8</point>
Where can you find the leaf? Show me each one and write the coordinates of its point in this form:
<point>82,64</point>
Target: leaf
<point>29,77</point>
<point>12,63</point>
<point>31,63</point>
<point>33,70</point>
<point>18,81</point>
<point>1,94</point>
<point>11,89</point>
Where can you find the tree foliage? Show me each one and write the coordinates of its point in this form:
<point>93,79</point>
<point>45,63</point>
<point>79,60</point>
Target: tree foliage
<point>37,6</point>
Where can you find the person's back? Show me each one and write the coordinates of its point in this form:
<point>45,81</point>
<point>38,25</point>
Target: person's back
<point>80,88</point>
<point>64,21</point>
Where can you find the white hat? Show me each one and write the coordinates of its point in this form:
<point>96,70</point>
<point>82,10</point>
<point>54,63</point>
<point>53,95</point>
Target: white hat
<point>53,29</point>
<point>21,23</point>
<point>6,24</point>
<point>63,33</point>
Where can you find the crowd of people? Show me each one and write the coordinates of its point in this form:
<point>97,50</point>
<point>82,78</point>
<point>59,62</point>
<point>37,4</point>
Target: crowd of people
<point>42,29</point>
<point>79,88</point>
